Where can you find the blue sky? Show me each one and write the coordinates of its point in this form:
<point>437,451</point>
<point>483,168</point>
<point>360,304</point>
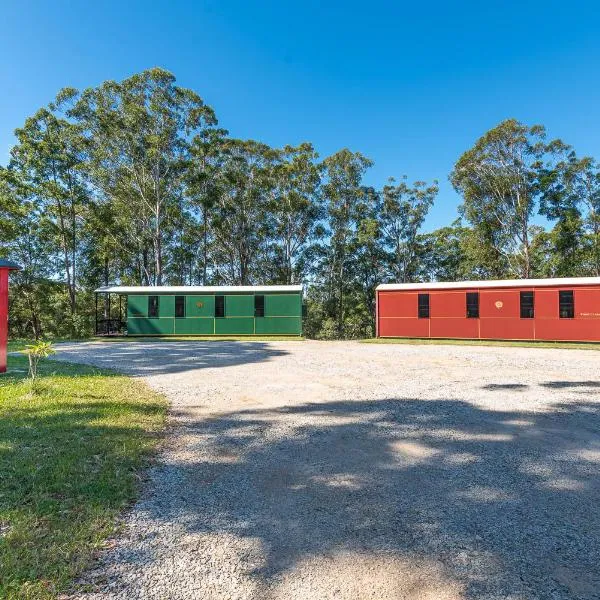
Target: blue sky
<point>409,85</point>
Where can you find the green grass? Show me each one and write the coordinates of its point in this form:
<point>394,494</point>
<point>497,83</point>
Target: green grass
<point>70,461</point>
<point>518,344</point>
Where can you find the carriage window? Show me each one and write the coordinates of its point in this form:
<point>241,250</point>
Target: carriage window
<point>219,306</point>
<point>259,306</point>
<point>423,306</point>
<point>527,305</point>
<point>180,307</point>
<point>566,304</point>
<point>472,305</point>
<point>153,306</point>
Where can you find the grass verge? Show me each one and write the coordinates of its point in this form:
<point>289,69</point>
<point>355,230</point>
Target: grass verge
<point>509,343</point>
<point>70,458</point>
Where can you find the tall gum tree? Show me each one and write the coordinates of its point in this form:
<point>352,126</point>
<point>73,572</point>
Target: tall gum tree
<point>295,208</point>
<point>48,160</point>
<point>138,132</point>
<point>499,179</point>
<point>342,192</point>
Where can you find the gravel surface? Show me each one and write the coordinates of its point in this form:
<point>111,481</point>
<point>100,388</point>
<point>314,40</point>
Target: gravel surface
<point>313,470</point>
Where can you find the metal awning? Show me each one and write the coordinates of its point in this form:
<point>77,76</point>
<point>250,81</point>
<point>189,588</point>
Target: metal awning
<point>196,289</point>
<point>498,283</point>
<point>7,264</point>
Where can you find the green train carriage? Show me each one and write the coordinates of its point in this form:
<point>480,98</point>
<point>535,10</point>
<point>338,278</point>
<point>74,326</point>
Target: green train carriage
<point>202,310</point>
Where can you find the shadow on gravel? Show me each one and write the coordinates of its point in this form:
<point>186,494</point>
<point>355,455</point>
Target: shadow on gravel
<point>157,358</point>
<point>506,501</point>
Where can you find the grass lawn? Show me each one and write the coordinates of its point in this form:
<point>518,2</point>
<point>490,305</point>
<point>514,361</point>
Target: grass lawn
<point>70,458</point>
<point>449,342</point>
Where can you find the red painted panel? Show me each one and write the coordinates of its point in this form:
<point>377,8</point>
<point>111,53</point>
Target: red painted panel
<point>448,303</point>
<point>394,304</point>
<point>455,328</point>
<point>3,317</point>
<point>507,329</point>
<point>546,303</point>
<point>572,330</point>
<point>587,303</point>
<point>409,327</point>
<point>500,303</point>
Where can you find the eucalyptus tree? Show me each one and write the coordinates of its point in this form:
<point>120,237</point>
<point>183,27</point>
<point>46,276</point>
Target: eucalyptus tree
<point>204,185</point>
<point>28,238</point>
<point>572,199</point>
<point>138,133</point>
<point>499,179</point>
<point>295,210</point>
<point>47,160</point>
<point>240,214</point>
<point>342,192</point>
<point>403,211</point>
<point>367,266</point>
<point>442,255</point>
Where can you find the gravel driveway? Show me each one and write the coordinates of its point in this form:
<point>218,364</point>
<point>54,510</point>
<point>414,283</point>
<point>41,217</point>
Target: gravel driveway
<point>313,470</point>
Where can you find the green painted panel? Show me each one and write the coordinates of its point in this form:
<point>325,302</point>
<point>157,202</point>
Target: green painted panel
<point>239,306</point>
<point>279,325</point>
<point>142,326</point>
<point>199,326</point>
<point>137,306</point>
<point>284,305</point>
<point>166,306</point>
<point>207,308</point>
<point>234,326</point>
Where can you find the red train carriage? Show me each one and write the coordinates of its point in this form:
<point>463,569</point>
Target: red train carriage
<point>5,267</point>
<point>524,309</point>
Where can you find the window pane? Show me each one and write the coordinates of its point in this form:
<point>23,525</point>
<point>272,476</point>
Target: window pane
<point>180,306</point>
<point>259,306</point>
<point>219,306</point>
<point>472,305</point>
<point>527,305</point>
<point>153,306</point>
<point>566,304</point>
<point>423,306</point>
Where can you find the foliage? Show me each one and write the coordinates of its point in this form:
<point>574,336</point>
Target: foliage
<point>69,463</point>
<point>35,353</point>
<point>133,182</point>
<point>499,179</point>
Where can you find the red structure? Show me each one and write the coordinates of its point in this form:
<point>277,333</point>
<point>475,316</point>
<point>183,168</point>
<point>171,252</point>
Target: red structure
<point>5,267</point>
<point>526,309</point>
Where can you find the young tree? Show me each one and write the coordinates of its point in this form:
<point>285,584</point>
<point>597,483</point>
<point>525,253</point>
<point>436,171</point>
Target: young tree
<point>499,179</point>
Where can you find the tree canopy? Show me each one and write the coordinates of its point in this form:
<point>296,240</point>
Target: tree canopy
<point>134,182</point>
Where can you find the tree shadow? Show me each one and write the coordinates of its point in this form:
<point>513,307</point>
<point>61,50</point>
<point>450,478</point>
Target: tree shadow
<point>504,502</point>
<point>504,386</point>
<point>156,358</point>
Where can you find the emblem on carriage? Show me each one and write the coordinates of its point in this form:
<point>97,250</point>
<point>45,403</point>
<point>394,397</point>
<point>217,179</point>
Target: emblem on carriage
<point>199,304</point>
<point>499,304</point>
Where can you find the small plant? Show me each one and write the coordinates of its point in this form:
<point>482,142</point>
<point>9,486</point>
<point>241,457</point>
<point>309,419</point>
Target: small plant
<point>35,353</point>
